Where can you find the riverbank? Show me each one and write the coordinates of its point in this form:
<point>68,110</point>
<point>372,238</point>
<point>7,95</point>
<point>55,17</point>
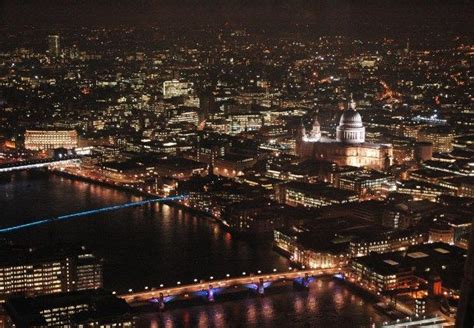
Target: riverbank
<point>148,248</point>
<point>175,204</point>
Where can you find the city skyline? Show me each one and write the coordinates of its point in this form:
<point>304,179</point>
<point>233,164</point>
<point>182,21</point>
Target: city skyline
<point>236,164</point>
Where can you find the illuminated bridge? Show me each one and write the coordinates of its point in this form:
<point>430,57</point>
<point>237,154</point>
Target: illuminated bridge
<point>37,163</point>
<point>209,289</point>
<point>88,213</point>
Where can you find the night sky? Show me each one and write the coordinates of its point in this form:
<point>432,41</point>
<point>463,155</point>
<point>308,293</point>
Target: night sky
<point>334,15</point>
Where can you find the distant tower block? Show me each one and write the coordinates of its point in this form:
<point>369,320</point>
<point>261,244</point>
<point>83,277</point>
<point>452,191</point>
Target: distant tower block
<point>53,45</point>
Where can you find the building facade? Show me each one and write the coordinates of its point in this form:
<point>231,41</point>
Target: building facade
<point>40,273</point>
<point>50,139</point>
<point>382,273</point>
<point>288,244</point>
<point>314,195</point>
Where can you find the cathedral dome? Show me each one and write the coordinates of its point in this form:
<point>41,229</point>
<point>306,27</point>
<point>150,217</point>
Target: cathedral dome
<point>351,118</point>
<point>350,128</point>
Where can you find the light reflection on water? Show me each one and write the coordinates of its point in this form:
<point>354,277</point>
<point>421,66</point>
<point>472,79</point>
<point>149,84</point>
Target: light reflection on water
<point>144,246</point>
<point>147,247</point>
<point>326,304</point>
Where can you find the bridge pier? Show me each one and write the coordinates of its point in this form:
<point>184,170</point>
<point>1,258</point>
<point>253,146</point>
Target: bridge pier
<point>161,302</point>
<point>210,294</point>
<point>306,281</point>
<point>303,282</point>
<point>261,287</point>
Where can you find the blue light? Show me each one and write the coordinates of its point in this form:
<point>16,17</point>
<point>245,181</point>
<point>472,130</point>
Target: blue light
<point>267,284</point>
<point>169,298</point>
<point>89,212</point>
<point>204,293</point>
<point>299,280</point>
<point>251,286</point>
<point>339,276</point>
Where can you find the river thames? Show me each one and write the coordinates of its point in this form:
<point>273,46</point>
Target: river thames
<point>162,245</point>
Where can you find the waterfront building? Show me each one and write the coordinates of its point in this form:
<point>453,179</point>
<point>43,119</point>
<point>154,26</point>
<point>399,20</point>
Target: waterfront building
<point>328,242</point>
<point>384,242</point>
<point>255,217</point>
<point>50,139</point>
<point>88,308</point>
<point>438,266</point>
<point>382,273</point>
<point>305,251</point>
<point>349,147</point>
<point>36,272</point>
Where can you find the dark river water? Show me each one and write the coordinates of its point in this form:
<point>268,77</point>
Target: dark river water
<point>163,245</point>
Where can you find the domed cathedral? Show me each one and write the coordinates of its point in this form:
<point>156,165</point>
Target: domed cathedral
<point>349,147</point>
<point>350,128</point>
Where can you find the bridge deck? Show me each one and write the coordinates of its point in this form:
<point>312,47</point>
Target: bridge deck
<point>34,164</point>
<point>229,282</point>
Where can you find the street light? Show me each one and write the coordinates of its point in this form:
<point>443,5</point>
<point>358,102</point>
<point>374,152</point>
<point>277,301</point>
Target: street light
<point>161,285</point>
<point>274,270</point>
<point>259,271</point>
<point>195,280</point>
<point>146,287</point>
<point>243,273</point>
<point>178,283</point>
<point>227,275</point>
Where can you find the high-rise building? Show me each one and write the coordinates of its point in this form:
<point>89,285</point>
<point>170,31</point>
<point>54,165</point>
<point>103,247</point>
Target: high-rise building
<point>53,45</point>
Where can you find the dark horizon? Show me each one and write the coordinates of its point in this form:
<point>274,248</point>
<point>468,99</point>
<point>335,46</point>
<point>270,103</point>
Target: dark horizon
<point>341,15</point>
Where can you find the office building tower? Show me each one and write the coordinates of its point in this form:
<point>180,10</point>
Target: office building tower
<point>53,45</point>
